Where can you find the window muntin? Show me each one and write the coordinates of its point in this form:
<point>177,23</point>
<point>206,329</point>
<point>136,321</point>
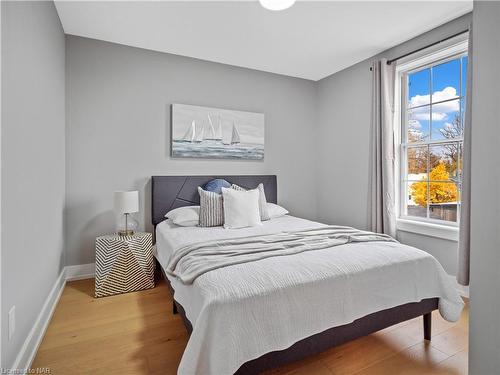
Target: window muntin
<point>432,114</point>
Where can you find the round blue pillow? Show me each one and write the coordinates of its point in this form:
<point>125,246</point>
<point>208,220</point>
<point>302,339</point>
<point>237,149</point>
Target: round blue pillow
<point>216,185</point>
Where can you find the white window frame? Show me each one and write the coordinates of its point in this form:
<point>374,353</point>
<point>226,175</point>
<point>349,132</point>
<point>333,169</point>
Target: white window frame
<point>427,226</point>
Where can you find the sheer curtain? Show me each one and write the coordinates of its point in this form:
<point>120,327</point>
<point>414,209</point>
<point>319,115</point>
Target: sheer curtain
<point>381,215</point>
<point>464,239</point>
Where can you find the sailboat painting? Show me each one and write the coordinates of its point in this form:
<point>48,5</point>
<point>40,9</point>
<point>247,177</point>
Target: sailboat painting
<point>204,132</point>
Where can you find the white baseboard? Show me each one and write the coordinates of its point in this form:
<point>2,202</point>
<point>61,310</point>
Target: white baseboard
<point>30,347</point>
<point>79,272</point>
<point>34,339</point>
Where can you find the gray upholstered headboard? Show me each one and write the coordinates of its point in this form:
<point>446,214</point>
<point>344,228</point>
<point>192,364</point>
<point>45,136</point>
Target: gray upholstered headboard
<point>169,192</point>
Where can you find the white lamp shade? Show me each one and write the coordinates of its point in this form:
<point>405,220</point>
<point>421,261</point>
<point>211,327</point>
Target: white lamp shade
<point>126,202</point>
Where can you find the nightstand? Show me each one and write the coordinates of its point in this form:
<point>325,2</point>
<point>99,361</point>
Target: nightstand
<point>124,264</point>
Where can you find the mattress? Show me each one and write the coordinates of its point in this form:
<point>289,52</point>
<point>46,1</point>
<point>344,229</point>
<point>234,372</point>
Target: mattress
<point>243,311</point>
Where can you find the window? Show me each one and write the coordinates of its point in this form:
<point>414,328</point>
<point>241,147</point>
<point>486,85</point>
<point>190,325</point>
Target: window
<point>432,111</point>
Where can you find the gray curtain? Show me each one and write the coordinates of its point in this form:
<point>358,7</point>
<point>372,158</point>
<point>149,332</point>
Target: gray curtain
<point>464,238</point>
<point>381,215</point>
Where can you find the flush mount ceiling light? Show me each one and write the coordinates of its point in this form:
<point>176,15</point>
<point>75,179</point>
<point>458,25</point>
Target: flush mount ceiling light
<point>276,4</point>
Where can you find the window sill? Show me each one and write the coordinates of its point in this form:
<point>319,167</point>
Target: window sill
<point>428,229</point>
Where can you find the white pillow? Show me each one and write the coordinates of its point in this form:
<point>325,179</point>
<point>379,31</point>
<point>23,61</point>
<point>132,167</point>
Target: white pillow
<point>241,208</point>
<point>264,212</point>
<point>188,216</point>
<point>276,211</point>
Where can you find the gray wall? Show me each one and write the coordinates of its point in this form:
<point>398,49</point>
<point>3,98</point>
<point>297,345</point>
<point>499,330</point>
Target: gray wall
<point>484,346</point>
<point>344,114</point>
<point>32,159</point>
<point>118,130</point>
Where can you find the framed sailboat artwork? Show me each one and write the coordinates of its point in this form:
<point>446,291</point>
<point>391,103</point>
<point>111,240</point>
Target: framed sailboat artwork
<point>204,132</point>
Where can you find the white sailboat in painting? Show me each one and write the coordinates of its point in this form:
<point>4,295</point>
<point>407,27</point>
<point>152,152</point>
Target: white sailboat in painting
<point>211,128</point>
<point>234,137</point>
<point>218,135</point>
<point>190,135</point>
<point>215,135</point>
<point>200,136</point>
<point>210,134</point>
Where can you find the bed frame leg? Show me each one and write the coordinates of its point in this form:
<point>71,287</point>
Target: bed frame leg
<point>174,308</point>
<point>427,326</point>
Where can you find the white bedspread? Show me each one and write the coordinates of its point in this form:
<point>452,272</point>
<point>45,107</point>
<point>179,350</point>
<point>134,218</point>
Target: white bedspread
<point>244,311</point>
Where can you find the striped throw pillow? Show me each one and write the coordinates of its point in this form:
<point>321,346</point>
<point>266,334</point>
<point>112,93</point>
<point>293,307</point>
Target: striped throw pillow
<point>211,209</point>
<point>264,211</point>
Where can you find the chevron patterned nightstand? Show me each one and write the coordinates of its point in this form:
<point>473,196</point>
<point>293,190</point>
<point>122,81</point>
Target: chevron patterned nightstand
<point>124,264</point>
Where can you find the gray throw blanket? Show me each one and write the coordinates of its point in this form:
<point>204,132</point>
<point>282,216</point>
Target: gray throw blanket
<point>192,261</point>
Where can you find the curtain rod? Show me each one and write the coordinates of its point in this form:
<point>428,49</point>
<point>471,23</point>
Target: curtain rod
<point>389,62</point>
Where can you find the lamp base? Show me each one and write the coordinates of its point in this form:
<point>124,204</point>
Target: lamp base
<point>126,225</point>
<point>124,233</point>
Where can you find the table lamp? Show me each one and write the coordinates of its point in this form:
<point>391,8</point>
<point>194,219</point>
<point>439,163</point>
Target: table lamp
<point>125,203</point>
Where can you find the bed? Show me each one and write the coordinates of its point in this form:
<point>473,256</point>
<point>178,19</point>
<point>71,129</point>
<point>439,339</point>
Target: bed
<point>250,317</point>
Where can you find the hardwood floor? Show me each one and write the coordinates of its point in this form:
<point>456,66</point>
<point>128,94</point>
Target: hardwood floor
<point>136,333</point>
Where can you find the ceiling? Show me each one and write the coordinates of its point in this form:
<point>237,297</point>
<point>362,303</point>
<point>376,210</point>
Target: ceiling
<point>311,40</point>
